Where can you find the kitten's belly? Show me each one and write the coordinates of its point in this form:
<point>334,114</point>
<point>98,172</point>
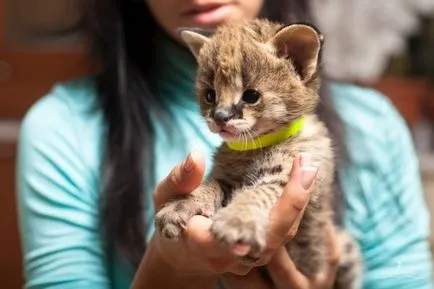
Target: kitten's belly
<point>248,169</point>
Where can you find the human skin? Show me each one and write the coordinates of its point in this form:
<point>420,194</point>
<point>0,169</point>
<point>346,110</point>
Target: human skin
<point>172,14</point>
<point>198,260</point>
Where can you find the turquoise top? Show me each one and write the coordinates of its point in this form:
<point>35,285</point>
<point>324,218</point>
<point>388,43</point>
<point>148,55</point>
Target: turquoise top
<point>58,182</point>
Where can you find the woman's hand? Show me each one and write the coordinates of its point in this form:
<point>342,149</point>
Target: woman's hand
<point>198,256</point>
<point>284,274</point>
<point>197,253</point>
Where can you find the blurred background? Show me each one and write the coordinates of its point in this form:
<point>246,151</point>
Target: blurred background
<point>388,45</point>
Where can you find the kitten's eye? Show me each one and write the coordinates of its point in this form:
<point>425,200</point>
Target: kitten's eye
<point>210,96</point>
<point>251,96</point>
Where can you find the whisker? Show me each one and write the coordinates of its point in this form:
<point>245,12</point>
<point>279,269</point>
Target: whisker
<point>250,137</point>
<point>251,132</point>
<point>260,143</point>
<point>246,140</point>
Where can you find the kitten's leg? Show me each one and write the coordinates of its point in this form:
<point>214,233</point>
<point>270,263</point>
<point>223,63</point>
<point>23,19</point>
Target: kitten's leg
<point>174,215</point>
<point>245,219</point>
<point>350,270</point>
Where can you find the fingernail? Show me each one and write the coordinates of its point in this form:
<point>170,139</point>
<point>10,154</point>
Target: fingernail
<point>308,174</point>
<point>188,164</point>
<point>305,159</point>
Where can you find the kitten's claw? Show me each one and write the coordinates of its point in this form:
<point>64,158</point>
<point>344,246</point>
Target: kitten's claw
<point>241,231</point>
<point>172,219</point>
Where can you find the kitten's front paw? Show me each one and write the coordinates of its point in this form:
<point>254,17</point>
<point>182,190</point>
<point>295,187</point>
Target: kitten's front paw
<point>174,216</point>
<point>240,227</point>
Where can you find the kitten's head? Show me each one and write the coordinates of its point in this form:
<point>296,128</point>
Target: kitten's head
<point>255,77</point>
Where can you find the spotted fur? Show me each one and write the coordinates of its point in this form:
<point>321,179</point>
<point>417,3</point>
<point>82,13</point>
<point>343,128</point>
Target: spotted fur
<point>281,64</point>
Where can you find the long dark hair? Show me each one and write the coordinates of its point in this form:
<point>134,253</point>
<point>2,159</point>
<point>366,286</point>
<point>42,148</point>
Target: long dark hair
<point>119,32</point>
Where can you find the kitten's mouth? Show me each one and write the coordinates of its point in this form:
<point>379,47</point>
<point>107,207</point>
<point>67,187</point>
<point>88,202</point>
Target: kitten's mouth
<point>226,135</point>
<point>233,130</point>
<point>229,133</point>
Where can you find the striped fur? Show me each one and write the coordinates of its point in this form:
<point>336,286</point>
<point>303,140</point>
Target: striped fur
<point>244,186</point>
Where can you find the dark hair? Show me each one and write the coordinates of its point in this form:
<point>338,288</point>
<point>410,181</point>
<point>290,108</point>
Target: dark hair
<point>125,97</point>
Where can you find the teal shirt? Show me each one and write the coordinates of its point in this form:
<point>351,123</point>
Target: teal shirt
<point>60,151</point>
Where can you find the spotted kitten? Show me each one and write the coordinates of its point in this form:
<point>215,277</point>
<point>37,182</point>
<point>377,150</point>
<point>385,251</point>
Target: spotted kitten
<point>258,78</point>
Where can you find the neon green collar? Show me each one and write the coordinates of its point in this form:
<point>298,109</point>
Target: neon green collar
<point>269,139</point>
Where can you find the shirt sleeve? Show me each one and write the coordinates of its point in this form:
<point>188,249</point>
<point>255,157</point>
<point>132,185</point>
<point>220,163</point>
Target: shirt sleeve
<point>386,207</point>
<point>57,202</point>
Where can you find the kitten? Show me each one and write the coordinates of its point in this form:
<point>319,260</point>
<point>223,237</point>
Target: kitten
<point>256,79</point>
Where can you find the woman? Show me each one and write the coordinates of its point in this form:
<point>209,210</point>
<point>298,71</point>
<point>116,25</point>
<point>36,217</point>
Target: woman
<point>93,150</point>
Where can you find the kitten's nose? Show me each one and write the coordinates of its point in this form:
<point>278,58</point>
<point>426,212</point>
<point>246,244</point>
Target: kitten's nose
<point>224,114</point>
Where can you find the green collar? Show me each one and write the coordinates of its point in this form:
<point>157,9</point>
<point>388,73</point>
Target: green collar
<point>268,139</point>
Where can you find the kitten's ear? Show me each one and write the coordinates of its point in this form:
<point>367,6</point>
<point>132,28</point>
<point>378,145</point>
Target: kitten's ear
<point>301,43</point>
<point>194,39</point>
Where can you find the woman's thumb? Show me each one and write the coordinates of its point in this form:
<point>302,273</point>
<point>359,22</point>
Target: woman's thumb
<point>182,179</point>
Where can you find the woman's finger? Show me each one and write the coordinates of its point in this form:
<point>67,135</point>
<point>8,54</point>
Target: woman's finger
<point>183,178</point>
<point>286,215</point>
<point>327,278</point>
<point>200,239</point>
<point>203,245</point>
<point>284,273</point>
<point>253,280</point>
<point>294,228</point>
